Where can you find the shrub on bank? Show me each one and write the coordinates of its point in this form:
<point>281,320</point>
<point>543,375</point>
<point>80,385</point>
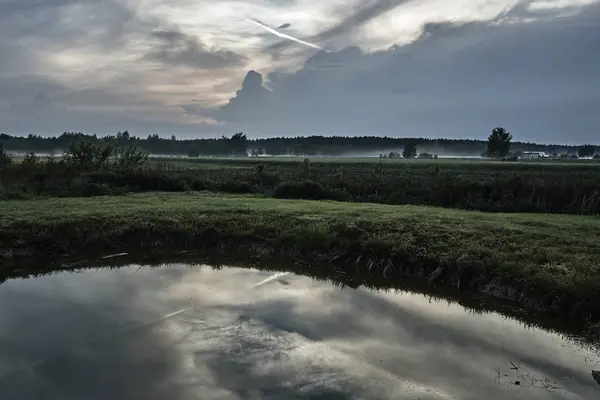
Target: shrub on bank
<point>304,189</point>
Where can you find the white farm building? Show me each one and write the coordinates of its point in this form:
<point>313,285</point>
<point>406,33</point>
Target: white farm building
<point>531,155</point>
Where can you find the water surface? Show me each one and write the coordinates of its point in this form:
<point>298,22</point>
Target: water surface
<point>182,332</point>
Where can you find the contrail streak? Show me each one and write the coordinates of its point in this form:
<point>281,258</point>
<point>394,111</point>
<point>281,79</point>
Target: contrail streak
<point>283,35</point>
<point>270,278</point>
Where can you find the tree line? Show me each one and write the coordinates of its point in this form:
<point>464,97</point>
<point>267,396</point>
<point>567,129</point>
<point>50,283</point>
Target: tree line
<point>239,145</point>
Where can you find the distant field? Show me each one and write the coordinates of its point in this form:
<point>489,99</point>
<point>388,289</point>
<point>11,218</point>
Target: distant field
<point>458,163</point>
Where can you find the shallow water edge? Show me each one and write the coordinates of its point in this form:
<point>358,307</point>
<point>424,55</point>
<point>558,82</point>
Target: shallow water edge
<point>479,302</point>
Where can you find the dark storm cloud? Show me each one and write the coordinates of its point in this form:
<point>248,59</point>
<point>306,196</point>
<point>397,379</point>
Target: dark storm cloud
<point>251,96</point>
<point>536,78</point>
<point>178,48</point>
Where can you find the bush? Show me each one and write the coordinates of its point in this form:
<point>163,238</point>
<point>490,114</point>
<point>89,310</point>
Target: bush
<point>137,180</point>
<point>236,187</point>
<point>5,158</point>
<point>305,189</point>
<point>31,161</point>
<point>83,188</point>
<point>151,181</point>
<point>198,184</point>
<point>85,155</point>
<point>131,159</point>
<point>16,192</point>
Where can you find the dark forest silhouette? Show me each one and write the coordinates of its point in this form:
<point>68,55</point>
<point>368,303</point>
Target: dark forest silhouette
<point>239,145</point>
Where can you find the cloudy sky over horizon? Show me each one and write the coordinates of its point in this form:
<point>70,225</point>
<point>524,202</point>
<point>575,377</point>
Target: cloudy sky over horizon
<point>202,68</point>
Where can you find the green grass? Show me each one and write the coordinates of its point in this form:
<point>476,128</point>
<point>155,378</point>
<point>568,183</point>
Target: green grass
<point>484,185</point>
<point>545,262</point>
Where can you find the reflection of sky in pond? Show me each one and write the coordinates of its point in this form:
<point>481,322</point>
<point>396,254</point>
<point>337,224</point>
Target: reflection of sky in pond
<point>102,334</point>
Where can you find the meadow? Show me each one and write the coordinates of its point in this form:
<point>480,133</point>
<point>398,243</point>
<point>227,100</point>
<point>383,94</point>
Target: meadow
<point>559,187</point>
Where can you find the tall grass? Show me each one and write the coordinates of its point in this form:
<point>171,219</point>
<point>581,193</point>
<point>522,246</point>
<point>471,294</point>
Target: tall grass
<point>495,187</point>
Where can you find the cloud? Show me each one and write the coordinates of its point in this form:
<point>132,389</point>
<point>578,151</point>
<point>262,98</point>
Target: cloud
<point>283,35</point>
<point>361,13</point>
<point>105,63</point>
<point>178,48</point>
<point>536,78</point>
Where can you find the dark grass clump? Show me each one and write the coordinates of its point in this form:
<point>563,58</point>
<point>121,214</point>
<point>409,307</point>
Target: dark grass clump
<point>304,189</point>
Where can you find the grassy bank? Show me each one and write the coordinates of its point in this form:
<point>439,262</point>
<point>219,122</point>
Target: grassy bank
<point>543,262</point>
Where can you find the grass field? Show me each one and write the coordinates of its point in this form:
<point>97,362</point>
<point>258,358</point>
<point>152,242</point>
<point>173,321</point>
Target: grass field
<point>460,163</point>
<point>536,186</point>
<point>544,262</point>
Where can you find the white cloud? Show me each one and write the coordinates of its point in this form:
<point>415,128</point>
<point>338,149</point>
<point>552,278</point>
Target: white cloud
<point>558,4</point>
<point>106,54</point>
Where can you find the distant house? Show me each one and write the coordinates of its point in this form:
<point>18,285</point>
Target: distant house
<point>532,155</point>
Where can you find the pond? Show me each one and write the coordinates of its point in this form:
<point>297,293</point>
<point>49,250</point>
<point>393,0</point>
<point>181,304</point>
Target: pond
<point>191,332</point>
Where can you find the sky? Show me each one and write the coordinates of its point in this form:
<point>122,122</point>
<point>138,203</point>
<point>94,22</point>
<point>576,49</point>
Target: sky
<point>204,68</point>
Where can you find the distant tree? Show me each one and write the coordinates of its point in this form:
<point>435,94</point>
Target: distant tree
<point>410,150</point>
<point>499,143</point>
<point>238,145</point>
<point>586,151</point>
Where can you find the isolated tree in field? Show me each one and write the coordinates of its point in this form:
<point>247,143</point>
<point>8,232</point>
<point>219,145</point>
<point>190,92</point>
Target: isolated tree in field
<point>586,151</point>
<point>410,150</point>
<point>499,143</point>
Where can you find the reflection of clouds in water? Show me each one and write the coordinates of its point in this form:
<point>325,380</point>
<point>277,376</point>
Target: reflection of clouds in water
<point>251,355</point>
<point>303,340</point>
<point>436,344</point>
